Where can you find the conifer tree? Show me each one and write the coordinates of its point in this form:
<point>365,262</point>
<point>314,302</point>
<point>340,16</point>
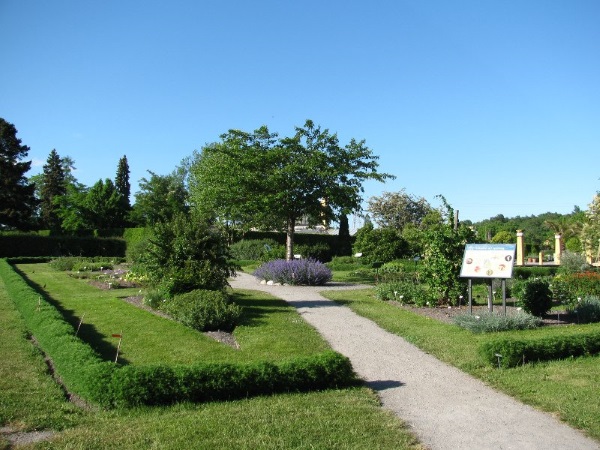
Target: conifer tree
<point>53,186</point>
<point>17,199</point>
<point>123,188</point>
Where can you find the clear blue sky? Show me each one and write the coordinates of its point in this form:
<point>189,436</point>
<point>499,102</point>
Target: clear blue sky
<point>494,104</point>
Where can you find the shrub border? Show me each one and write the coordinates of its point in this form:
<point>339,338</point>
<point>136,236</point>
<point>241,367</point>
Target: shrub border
<point>515,351</point>
<point>85,374</point>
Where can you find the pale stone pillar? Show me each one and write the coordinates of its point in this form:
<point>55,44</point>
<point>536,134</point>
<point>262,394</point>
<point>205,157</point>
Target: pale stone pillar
<point>520,261</point>
<point>541,258</point>
<point>557,248</point>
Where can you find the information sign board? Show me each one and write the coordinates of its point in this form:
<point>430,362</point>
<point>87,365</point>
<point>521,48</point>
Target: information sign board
<point>488,261</point>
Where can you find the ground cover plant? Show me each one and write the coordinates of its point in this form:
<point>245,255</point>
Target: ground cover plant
<point>494,322</point>
<point>345,418</point>
<point>565,387</point>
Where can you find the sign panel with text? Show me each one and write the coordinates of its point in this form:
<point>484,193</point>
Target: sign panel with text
<point>488,261</point>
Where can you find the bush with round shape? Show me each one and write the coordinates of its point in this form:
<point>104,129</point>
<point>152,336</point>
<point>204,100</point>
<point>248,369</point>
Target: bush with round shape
<point>204,310</point>
<point>535,296</point>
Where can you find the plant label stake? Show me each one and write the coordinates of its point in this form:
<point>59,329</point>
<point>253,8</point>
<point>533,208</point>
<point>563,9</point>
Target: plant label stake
<point>80,322</point>
<point>39,305</point>
<point>120,336</point>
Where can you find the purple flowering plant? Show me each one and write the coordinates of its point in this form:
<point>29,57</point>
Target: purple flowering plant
<point>308,272</point>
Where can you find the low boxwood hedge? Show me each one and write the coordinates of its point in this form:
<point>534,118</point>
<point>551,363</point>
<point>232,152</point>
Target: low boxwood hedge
<point>110,385</point>
<point>514,351</point>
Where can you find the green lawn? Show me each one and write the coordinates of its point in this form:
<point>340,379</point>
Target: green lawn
<point>30,399</point>
<point>568,388</point>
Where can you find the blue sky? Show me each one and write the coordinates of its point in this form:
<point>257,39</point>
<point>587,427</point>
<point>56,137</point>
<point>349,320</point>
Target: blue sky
<point>493,104</point>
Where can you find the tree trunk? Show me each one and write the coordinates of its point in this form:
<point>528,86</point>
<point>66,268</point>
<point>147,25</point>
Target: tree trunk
<point>289,241</point>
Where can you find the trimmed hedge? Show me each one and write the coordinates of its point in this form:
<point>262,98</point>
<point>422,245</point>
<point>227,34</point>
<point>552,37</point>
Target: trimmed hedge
<point>110,385</point>
<point>19,245</point>
<point>132,386</point>
<point>518,351</point>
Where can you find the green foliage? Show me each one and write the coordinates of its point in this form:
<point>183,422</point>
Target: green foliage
<point>572,263</point>
<point>75,361</point>
<point>494,322</point>
<point>534,295</point>
<point>204,310</point>
<point>252,249</point>
<point>444,248</point>
<point>273,182</point>
<point>112,385</point>
<point>133,386</point>
<point>123,188</point>
<point>585,310</point>
<point>516,351</point>
<point>53,185</point>
<point>76,263</point>
<point>406,290</point>
<point>398,209</point>
<point>504,237</point>
<point>159,199</point>
<point>319,251</point>
<point>19,245</point>
<point>17,201</point>
<point>183,255</point>
<point>568,288</point>
<point>379,244</point>
<point>522,272</point>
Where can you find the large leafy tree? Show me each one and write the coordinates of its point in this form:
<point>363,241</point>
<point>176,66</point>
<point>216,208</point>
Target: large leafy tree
<point>160,199</point>
<point>17,199</point>
<point>53,185</point>
<point>398,209</point>
<point>259,180</point>
<point>123,187</point>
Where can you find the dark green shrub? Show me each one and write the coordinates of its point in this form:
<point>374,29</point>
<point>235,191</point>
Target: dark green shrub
<point>254,250</point>
<point>523,272</point>
<point>585,310</point>
<point>494,322</point>
<point>379,244</point>
<point>319,251</point>
<point>183,255</point>
<point>534,296</point>
<point>204,310</point>
<point>515,351</point>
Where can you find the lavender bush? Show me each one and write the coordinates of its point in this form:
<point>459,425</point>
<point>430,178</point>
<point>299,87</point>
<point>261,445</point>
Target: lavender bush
<point>296,272</point>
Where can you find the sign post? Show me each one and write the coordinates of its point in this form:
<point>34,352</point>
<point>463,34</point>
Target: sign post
<point>488,261</point>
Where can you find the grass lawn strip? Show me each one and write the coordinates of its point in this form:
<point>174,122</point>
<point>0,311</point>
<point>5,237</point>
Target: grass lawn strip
<point>349,418</point>
<point>568,388</point>
<point>270,330</point>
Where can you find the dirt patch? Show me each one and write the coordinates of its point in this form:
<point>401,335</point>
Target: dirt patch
<point>16,438</point>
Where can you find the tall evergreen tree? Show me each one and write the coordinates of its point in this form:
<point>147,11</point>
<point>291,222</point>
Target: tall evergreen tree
<point>17,199</point>
<point>53,186</point>
<point>123,187</point>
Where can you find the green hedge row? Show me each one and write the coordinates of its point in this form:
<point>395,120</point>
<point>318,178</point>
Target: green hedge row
<point>525,272</point>
<point>20,245</point>
<point>131,386</point>
<point>110,385</point>
<point>515,351</point>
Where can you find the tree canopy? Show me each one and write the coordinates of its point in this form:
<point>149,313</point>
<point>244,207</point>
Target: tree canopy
<point>260,180</point>
<point>17,199</point>
<point>398,209</point>
<point>53,185</point>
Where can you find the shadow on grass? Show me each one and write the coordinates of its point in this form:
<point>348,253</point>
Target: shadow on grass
<point>88,333</point>
<point>256,308</point>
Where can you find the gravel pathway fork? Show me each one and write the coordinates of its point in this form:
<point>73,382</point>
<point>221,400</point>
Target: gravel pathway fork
<point>446,408</point>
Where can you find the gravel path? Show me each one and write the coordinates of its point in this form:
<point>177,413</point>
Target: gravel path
<point>446,408</point>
